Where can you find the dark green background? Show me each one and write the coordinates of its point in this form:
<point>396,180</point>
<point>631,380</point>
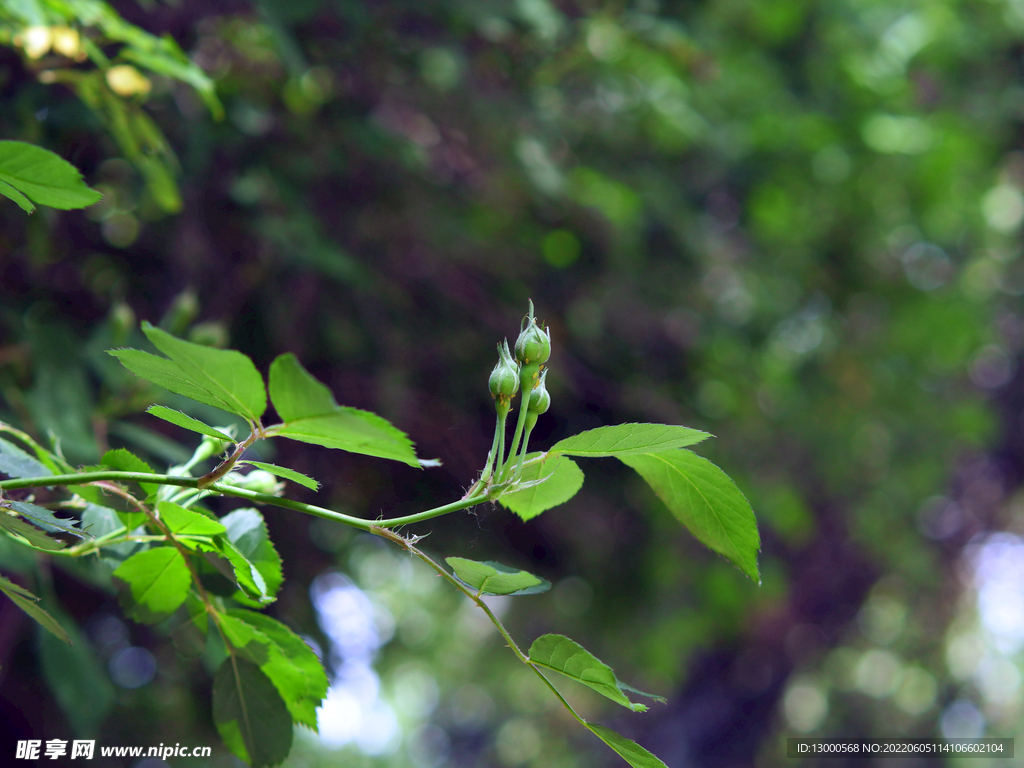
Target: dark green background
<point>792,224</point>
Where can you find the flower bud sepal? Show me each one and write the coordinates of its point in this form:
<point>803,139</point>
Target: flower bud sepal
<point>534,342</point>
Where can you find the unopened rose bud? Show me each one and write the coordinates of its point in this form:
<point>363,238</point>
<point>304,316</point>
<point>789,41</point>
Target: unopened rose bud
<point>504,380</point>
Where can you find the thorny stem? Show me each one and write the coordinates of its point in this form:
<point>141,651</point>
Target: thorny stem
<point>409,544</point>
<point>225,466</point>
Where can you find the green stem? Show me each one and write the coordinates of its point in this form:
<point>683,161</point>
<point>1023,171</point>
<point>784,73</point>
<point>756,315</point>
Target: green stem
<point>531,422</point>
<point>526,381</point>
<point>494,457</point>
<point>83,478</point>
<point>411,548</point>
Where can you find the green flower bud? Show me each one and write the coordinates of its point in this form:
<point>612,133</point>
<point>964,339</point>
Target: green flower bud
<point>504,381</point>
<point>540,398</point>
<point>534,342</point>
<point>258,480</point>
<point>210,447</point>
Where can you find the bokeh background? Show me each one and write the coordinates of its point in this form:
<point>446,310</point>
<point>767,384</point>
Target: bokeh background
<point>792,223</point>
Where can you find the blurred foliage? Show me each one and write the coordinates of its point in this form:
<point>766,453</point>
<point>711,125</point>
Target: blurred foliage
<point>793,224</point>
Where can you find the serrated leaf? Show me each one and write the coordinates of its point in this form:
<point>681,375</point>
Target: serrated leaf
<point>223,378</point>
<point>124,460</point>
<point>153,583</point>
<point>704,499</point>
<point>250,582</point>
<point>490,578</point>
<point>187,422</point>
<point>567,657</point>
<point>285,658</point>
<point>630,751</point>
<point>287,474</point>
<point>45,519</point>
<point>76,676</point>
<point>248,532</point>
<point>33,535</point>
<point>249,713</point>
<point>225,373</point>
<point>186,521</point>
<point>562,480</point>
<point>624,439</point>
<point>14,462</point>
<point>309,414</point>
<point>27,602</point>
<point>43,177</point>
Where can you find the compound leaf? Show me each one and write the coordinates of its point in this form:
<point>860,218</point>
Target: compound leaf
<point>704,499</point>
<point>250,714</point>
<point>310,414</point>
<point>624,439</point>
<point>186,421</point>
<point>562,478</point>
<point>492,578</point>
<point>559,653</point>
<point>630,751</point>
<point>153,583</point>
<point>223,378</point>
<point>43,177</point>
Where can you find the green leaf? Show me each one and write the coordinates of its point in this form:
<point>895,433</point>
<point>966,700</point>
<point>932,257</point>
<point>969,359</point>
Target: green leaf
<point>77,678</point>
<point>492,578</point>
<point>560,654</point>
<point>182,520</point>
<point>706,501</point>
<point>27,602</point>
<point>630,751</point>
<point>249,713</point>
<point>290,664</point>
<point>45,519</point>
<point>248,579</point>
<point>310,415</point>
<point>14,462</point>
<point>33,535</point>
<point>623,439</point>
<point>153,583</point>
<point>222,378</point>
<point>55,464</point>
<point>247,531</point>
<point>287,474</point>
<point>563,479</point>
<point>125,461</point>
<point>186,421</point>
<point>23,202</point>
<point>43,177</point>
